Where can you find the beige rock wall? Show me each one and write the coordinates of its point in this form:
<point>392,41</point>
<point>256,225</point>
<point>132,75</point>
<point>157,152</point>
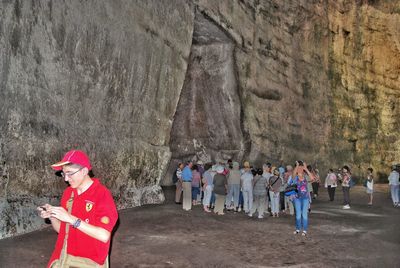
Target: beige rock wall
<point>319,79</point>
<point>364,72</point>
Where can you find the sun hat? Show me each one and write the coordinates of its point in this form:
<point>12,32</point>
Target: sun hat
<point>220,169</point>
<point>73,157</point>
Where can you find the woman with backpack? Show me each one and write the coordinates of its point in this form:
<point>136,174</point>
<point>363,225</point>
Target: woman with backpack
<point>301,199</point>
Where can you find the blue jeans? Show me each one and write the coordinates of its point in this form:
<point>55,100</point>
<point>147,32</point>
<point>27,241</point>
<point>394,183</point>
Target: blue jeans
<point>233,193</point>
<point>195,192</point>
<point>301,208</point>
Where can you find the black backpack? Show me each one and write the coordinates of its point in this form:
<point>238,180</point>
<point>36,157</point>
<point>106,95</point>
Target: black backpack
<point>175,177</point>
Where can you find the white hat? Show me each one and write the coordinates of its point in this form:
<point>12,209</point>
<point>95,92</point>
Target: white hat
<point>220,169</point>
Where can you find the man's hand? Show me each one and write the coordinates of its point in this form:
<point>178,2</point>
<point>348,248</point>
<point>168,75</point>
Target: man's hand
<point>44,211</point>
<point>61,214</point>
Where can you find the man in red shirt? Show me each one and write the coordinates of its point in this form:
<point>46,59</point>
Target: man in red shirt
<point>85,219</point>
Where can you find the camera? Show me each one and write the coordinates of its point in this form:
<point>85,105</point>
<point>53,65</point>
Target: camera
<point>300,163</point>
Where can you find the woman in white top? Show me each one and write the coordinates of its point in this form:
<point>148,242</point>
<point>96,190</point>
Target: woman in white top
<point>370,185</point>
<point>331,184</point>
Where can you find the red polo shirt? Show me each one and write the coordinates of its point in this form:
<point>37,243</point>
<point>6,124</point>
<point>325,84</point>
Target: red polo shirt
<point>96,207</point>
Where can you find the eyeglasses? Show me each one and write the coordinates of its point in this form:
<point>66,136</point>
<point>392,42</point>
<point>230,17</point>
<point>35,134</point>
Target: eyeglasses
<point>70,174</point>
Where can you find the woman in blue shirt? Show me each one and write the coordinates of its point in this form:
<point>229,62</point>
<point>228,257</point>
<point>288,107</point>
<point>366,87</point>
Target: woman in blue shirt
<point>301,199</point>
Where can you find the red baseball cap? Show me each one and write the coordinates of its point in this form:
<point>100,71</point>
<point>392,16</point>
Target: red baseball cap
<point>73,157</point>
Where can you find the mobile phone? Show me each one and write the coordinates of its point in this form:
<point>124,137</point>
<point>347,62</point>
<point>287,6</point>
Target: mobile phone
<point>44,208</point>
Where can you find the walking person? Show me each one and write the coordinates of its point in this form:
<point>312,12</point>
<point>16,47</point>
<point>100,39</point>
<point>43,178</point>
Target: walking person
<point>85,219</point>
<point>177,179</point>
<point>346,177</point>
<point>246,181</point>
<point>233,187</point>
<point>331,184</point>
<point>394,186</point>
<point>370,185</point>
<point>301,199</point>
<point>259,194</point>
<point>187,177</point>
<point>274,185</point>
<point>220,186</point>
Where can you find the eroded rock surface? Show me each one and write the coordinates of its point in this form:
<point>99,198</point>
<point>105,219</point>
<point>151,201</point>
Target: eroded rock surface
<point>102,76</point>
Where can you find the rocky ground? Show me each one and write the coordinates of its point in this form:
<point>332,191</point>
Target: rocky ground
<point>166,236</point>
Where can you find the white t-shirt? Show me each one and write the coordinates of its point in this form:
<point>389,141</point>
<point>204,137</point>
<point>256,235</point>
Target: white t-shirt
<point>394,178</point>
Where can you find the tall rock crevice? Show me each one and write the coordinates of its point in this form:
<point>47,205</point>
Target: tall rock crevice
<point>207,122</point>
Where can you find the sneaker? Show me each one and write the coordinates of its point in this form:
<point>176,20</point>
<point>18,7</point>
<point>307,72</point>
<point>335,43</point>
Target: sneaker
<point>250,215</point>
<point>346,207</point>
<point>260,217</point>
<point>304,233</point>
<point>296,232</point>
<point>239,209</point>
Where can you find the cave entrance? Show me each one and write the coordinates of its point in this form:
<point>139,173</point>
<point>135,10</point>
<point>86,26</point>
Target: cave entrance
<point>207,122</point>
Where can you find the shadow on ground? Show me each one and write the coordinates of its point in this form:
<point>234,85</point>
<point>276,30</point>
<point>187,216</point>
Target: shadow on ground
<point>166,236</point>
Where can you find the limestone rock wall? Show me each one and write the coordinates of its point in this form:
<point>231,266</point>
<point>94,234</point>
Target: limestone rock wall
<point>364,73</point>
<point>102,76</point>
<point>207,123</point>
<point>282,80</point>
<point>318,80</point>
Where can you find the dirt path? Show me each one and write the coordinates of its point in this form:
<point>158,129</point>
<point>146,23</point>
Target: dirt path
<point>166,236</point>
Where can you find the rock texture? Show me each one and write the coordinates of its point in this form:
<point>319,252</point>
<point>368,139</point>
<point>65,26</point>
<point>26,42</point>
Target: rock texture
<point>140,83</point>
<point>102,76</point>
<point>364,73</point>
<point>207,122</point>
<point>318,80</point>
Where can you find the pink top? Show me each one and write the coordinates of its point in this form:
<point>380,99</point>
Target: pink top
<point>196,178</point>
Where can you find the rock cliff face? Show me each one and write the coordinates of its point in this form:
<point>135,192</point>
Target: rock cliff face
<point>102,76</point>
<point>137,84</point>
<point>364,74</point>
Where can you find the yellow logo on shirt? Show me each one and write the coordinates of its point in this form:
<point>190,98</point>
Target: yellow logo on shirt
<point>89,206</point>
<point>105,220</point>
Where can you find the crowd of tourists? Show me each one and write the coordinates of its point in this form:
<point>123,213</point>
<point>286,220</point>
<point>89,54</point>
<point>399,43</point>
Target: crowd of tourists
<point>273,191</point>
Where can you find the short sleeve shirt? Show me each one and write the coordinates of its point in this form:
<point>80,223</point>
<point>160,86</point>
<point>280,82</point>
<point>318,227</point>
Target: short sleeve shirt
<point>95,206</point>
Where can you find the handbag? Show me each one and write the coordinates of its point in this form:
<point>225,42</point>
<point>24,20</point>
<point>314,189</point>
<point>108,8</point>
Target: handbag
<point>291,190</point>
<point>70,261</point>
<point>270,186</point>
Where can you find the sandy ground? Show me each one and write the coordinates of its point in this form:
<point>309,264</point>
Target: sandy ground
<point>166,236</point>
